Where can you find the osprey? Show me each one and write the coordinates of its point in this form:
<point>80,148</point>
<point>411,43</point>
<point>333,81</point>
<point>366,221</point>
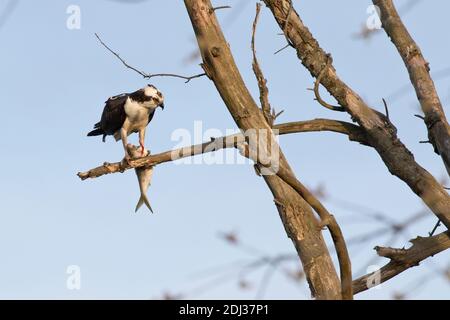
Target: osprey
<point>128,113</point>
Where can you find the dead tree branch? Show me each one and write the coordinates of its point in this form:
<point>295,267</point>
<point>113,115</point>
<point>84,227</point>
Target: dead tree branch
<point>148,75</point>
<point>317,92</point>
<point>419,73</point>
<point>353,132</point>
<point>296,215</point>
<point>326,220</point>
<point>381,134</point>
<point>403,259</point>
<point>262,82</point>
<point>153,160</point>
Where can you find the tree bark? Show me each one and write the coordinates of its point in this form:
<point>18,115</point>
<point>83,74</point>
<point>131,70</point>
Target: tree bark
<point>296,215</point>
<point>419,73</point>
<point>381,133</point>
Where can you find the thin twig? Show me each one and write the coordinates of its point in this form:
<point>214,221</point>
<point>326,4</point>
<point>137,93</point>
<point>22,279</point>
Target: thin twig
<point>219,8</point>
<point>279,50</point>
<point>148,75</point>
<point>386,109</point>
<point>438,223</point>
<point>419,116</point>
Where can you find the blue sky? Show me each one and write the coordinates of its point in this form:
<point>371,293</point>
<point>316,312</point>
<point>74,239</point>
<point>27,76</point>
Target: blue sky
<point>54,83</point>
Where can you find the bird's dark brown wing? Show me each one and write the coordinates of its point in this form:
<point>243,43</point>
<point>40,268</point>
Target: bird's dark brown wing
<point>113,115</point>
<point>150,116</point>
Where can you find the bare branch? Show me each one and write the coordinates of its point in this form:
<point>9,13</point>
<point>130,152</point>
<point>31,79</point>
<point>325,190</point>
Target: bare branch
<point>279,50</point>
<point>380,132</point>
<point>349,129</point>
<point>316,88</point>
<point>153,160</point>
<point>219,8</point>
<point>419,73</point>
<point>403,259</point>
<point>353,131</point>
<point>148,75</point>
<point>327,220</point>
<point>262,82</point>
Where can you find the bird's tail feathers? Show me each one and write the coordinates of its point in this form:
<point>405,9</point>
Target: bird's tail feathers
<point>96,132</point>
<point>143,199</point>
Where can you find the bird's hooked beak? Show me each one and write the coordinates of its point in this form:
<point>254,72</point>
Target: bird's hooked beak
<point>162,105</point>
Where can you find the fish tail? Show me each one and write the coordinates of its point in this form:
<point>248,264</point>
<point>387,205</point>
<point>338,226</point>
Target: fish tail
<point>143,199</point>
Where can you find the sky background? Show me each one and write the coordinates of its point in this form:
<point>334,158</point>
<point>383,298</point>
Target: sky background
<point>54,82</point>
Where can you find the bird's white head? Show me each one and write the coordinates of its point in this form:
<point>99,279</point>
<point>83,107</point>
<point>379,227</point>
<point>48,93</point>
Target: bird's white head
<point>156,99</point>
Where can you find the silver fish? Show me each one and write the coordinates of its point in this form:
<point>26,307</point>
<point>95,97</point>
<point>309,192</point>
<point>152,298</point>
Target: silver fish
<point>144,175</point>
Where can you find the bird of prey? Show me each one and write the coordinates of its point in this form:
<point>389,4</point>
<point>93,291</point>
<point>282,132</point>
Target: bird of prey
<point>128,113</point>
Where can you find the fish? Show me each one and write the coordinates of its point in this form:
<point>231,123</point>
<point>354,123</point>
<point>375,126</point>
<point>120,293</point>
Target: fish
<point>143,174</point>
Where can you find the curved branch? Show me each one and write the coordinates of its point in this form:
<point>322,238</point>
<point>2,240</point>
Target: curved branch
<point>403,259</point>
<point>319,99</point>
<point>326,220</point>
<point>148,75</point>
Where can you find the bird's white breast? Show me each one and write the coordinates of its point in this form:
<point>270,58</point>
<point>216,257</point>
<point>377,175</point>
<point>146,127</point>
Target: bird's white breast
<point>137,114</point>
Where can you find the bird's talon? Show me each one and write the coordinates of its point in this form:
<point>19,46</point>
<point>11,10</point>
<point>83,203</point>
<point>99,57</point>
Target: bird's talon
<point>126,159</point>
